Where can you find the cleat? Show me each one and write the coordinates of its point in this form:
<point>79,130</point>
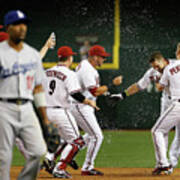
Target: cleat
<point>162,170</point>
<point>58,173</point>
<point>74,164</point>
<point>48,165</point>
<point>169,171</point>
<point>92,172</point>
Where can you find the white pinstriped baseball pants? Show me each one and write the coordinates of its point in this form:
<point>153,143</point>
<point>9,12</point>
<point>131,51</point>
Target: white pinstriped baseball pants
<point>86,119</point>
<point>167,120</point>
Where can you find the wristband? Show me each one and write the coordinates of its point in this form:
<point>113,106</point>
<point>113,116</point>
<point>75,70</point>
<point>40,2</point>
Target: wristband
<point>40,100</point>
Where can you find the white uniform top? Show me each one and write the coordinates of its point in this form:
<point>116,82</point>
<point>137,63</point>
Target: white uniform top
<point>20,71</point>
<point>59,84</point>
<point>153,75</point>
<point>171,78</point>
<point>88,77</point>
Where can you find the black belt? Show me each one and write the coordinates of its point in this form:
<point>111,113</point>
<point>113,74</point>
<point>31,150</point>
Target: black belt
<point>17,101</point>
<point>58,107</point>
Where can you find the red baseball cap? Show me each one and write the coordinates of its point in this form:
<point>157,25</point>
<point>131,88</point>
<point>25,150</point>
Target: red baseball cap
<point>65,51</point>
<point>3,36</point>
<point>98,50</point>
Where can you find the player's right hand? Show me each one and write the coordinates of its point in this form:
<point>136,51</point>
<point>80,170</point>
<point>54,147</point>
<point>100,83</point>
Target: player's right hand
<point>51,42</point>
<point>91,103</point>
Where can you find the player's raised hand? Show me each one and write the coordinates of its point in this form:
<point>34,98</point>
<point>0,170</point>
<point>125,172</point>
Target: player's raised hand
<point>91,103</point>
<point>51,42</point>
<point>117,80</point>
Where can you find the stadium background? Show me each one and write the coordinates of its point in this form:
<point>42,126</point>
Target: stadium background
<point>130,33</point>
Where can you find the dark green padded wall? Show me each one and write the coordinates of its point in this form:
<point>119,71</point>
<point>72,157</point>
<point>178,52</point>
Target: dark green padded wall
<point>145,26</point>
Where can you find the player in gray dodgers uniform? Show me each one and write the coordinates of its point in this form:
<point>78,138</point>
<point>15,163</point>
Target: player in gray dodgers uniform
<point>21,75</point>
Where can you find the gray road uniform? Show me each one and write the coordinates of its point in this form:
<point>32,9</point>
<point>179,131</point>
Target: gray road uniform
<point>152,75</point>
<point>20,72</point>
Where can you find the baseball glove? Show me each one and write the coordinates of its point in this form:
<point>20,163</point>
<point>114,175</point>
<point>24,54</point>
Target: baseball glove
<point>51,137</point>
<point>113,99</point>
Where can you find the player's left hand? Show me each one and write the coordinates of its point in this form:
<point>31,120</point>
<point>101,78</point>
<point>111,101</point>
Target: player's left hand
<point>117,80</point>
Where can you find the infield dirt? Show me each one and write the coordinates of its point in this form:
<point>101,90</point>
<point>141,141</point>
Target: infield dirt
<point>109,174</point>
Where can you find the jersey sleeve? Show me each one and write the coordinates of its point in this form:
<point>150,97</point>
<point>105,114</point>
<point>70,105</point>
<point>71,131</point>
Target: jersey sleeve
<point>144,82</point>
<point>72,83</point>
<point>40,73</point>
<point>89,80</point>
<point>165,78</point>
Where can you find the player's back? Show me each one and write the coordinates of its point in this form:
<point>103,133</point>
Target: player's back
<point>56,86</point>
<point>172,77</point>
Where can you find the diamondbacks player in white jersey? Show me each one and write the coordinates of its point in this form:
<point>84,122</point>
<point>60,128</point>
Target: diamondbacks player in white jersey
<point>61,83</point>
<point>85,116</point>
<point>171,117</point>
<point>21,74</point>
<point>153,75</point>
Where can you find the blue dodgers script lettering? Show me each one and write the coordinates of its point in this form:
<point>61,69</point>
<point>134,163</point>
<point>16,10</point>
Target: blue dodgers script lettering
<point>16,69</point>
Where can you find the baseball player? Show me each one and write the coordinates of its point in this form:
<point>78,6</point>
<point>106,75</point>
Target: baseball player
<point>143,83</point>
<point>89,80</point>
<point>166,101</point>
<point>49,43</point>
<point>174,151</point>
<point>171,116</point>
<point>21,75</point>
<point>61,83</point>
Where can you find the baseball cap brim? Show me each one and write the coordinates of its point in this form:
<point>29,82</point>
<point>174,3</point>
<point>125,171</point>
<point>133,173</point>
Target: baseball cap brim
<point>105,54</point>
<point>24,21</point>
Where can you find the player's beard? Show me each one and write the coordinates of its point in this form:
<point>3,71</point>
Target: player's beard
<point>17,40</point>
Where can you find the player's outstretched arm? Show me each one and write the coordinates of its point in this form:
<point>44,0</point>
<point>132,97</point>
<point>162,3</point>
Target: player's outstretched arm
<point>50,43</point>
<point>131,90</point>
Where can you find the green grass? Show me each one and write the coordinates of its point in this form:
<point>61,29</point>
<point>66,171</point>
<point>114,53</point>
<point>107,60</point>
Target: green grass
<point>119,149</point>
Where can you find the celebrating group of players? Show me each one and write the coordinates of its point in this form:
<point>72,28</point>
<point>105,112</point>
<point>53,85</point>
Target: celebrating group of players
<point>63,97</point>
<point>67,99</point>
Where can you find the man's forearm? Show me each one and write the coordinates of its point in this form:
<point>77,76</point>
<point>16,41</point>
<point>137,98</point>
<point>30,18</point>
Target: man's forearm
<point>40,102</point>
<point>133,89</point>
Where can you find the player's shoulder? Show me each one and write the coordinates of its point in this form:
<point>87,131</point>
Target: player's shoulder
<point>3,46</point>
<point>173,63</point>
<point>151,71</point>
<point>31,49</point>
<point>64,70</point>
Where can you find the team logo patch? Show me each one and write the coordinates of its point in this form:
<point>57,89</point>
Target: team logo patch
<point>20,14</point>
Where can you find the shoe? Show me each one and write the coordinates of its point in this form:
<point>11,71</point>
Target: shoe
<point>170,170</point>
<point>92,172</point>
<point>162,170</point>
<point>58,173</point>
<point>74,164</point>
<point>48,165</point>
